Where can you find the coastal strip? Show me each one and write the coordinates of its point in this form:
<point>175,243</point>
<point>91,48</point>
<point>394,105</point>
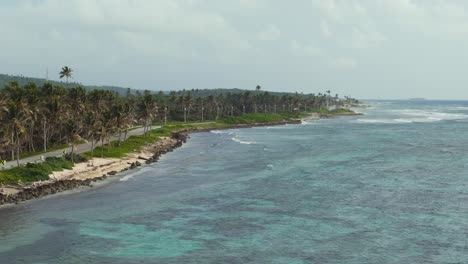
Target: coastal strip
<point>98,169</point>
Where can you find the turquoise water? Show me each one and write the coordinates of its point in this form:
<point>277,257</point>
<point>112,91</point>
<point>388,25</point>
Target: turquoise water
<point>386,187</point>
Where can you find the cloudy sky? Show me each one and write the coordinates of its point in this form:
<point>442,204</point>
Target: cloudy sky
<point>367,48</point>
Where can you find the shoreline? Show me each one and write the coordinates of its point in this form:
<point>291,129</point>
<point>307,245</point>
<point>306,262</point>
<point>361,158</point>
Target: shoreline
<point>98,169</point>
<point>86,173</point>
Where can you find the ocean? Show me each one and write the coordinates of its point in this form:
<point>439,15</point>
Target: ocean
<point>390,186</point>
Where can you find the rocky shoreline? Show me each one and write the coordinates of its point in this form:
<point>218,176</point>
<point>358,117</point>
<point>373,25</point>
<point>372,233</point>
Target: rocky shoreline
<point>38,190</point>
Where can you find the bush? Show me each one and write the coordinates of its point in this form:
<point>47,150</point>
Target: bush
<point>77,158</point>
<point>34,171</point>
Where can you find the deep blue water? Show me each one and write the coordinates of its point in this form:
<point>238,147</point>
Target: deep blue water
<point>386,187</point>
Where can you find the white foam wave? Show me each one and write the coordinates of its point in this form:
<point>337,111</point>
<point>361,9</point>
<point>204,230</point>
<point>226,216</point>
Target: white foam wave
<point>136,173</point>
<point>458,108</point>
<point>381,121</point>
<point>218,132</point>
<point>415,116</point>
<point>287,126</point>
<point>309,122</point>
<point>222,132</point>
<point>241,141</point>
<point>128,177</point>
<point>431,115</point>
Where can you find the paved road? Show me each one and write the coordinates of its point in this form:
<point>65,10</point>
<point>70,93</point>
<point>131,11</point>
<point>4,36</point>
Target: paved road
<point>80,148</point>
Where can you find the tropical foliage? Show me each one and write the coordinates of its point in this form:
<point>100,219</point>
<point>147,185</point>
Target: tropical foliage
<point>36,118</point>
<point>66,72</point>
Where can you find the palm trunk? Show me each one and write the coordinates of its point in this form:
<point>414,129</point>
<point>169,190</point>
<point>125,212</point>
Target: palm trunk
<point>45,137</point>
<point>13,147</point>
<point>17,150</point>
<point>92,146</point>
<point>146,126</point>
<point>71,154</point>
<point>32,140</point>
<point>102,146</point>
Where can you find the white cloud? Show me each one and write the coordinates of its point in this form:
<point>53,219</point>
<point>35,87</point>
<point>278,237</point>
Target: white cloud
<point>300,49</point>
<point>212,43</point>
<point>342,63</point>
<point>325,28</point>
<point>272,33</point>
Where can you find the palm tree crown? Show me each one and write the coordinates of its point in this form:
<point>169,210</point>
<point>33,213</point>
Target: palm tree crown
<point>66,72</point>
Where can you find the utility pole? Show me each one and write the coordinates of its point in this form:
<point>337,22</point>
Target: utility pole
<point>202,117</point>
<point>185,114</point>
<point>165,115</point>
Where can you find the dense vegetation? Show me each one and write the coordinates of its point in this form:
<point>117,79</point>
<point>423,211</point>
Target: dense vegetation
<point>36,118</point>
<point>5,79</point>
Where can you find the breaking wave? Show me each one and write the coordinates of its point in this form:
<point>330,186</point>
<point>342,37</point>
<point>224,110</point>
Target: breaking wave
<point>241,141</point>
<point>415,116</point>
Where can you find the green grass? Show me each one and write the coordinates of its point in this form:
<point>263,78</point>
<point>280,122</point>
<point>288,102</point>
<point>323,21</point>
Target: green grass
<point>32,172</point>
<point>255,118</point>
<point>130,145</point>
<point>337,111</point>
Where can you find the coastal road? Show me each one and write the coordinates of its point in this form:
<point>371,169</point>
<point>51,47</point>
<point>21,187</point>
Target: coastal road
<point>80,148</point>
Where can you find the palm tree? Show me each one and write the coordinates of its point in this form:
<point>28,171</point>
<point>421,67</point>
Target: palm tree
<point>66,72</point>
<point>17,115</point>
<point>119,114</point>
<point>72,130</point>
<point>147,110</point>
<point>91,127</point>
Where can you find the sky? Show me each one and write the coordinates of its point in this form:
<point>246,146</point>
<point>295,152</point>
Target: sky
<point>381,49</point>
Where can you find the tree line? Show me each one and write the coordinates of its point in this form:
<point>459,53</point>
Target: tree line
<point>34,118</point>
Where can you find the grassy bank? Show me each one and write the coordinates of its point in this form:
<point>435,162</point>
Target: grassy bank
<point>257,118</point>
<point>32,172</point>
<point>335,112</point>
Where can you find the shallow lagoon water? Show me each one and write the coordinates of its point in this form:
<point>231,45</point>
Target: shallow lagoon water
<point>386,187</point>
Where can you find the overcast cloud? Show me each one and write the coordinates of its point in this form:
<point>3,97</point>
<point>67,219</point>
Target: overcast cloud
<point>367,49</point>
